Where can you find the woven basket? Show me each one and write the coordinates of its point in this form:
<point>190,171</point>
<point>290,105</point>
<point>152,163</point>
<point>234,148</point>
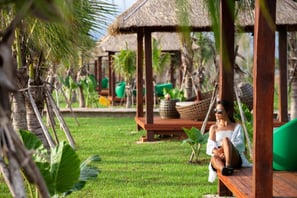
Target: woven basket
<point>167,109</point>
<point>246,94</point>
<point>195,111</point>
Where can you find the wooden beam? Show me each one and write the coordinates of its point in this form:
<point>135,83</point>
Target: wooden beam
<point>226,77</point>
<point>109,73</point>
<point>96,70</point>
<point>283,76</point>
<point>112,78</point>
<point>99,73</point>
<point>139,74</point>
<point>263,77</point>
<point>149,96</point>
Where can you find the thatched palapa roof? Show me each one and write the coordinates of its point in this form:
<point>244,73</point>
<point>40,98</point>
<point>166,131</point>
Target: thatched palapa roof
<point>168,42</point>
<point>161,16</point>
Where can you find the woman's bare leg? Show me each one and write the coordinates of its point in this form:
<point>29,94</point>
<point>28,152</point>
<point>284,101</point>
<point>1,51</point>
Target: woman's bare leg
<point>217,163</point>
<point>232,157</point>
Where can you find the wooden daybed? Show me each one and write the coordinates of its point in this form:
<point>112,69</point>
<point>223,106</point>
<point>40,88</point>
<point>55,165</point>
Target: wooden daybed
<point>240,184</point>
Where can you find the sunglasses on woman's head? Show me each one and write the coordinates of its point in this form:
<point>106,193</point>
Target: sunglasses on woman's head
<point>218,111</point>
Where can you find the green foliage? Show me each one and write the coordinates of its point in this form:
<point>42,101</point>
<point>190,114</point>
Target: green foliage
<point>195,139</point>
<point>125,63</point>
<point>89,85</point>
<point>174,93</point>
<point>248,118</point>
<point>159,59</point>
<point>61,168</point>
<point>87,172</point>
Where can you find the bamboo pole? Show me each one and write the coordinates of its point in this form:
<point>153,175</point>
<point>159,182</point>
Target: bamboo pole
<point>45,131</point>
<point>61,120</point>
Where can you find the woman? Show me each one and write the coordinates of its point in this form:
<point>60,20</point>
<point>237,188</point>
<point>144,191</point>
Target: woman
<point>225,143</point>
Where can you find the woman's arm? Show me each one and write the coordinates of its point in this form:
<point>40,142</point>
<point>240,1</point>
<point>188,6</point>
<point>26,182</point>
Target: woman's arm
<point>211,143</point>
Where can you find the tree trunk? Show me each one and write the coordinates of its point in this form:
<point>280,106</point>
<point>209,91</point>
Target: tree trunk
<point>82,101</point>
<point>128,96</point>
<point>19,120</point>
<point>187,63</point>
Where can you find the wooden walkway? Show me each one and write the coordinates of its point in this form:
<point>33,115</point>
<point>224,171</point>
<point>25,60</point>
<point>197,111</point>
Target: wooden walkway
<point>240,183</point>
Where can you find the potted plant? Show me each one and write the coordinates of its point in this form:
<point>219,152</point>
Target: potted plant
<point>167,104</point>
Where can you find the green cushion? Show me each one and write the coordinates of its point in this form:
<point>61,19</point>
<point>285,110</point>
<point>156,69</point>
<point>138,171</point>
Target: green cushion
<point>285,147</point>
<point>159,88</point>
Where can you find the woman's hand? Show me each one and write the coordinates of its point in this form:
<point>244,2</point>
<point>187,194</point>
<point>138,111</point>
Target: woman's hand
<point>219,152</point>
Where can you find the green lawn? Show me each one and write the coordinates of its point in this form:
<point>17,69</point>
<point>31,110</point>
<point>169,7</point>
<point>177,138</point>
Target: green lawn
<point>131,169</point>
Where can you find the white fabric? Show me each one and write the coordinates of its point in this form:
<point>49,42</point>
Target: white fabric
<point>237,139</point>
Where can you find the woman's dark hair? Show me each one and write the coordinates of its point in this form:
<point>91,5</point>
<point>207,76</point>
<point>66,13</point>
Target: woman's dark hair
<point>228,108</point>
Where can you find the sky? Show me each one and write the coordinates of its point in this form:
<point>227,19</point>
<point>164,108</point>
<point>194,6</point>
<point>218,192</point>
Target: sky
<point>122,5</point>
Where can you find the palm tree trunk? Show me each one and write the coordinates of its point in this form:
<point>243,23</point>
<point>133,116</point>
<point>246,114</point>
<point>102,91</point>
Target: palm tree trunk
<point>128,90</point>
<point>19,120</point>
<point>19,111</point>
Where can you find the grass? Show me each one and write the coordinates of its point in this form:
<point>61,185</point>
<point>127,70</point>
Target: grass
<point>131,169</point>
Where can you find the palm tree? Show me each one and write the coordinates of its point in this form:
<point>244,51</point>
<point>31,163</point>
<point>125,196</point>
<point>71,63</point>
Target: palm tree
<point>46,44</point>
<point>125,64</point>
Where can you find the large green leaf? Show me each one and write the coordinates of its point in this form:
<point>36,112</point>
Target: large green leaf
<point>30,140</point>
<point>64,168</point>
<point>87,172</point>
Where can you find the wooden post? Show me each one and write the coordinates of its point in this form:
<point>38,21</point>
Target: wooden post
<point>149,119</point>
<point>95,70</point>
<point>226,77</point>
<point>139,72</point>
<point>283,76</point>
<point>109,74</point>
<point>172,72</point>
<point>99,73</point>
<point>263,77</point>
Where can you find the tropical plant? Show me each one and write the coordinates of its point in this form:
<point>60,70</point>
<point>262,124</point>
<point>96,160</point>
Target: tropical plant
<point>70,85</point>
<point>173,94</point>
<point>195,140</point>
<point>61,169</point>
<point>50,39</point>
<point>89,85</point>
<point>159,59</point>
<point>187,53</point>
<point>125,64</point>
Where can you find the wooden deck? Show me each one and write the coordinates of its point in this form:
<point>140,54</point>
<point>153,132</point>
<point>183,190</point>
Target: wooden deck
<point>168,126</point>
<point>240,184</point>
<point>172,126</point>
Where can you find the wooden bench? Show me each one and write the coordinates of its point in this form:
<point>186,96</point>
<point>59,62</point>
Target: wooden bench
<point>240,184</point>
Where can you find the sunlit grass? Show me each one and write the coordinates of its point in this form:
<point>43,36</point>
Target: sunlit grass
<point>132,169</point>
